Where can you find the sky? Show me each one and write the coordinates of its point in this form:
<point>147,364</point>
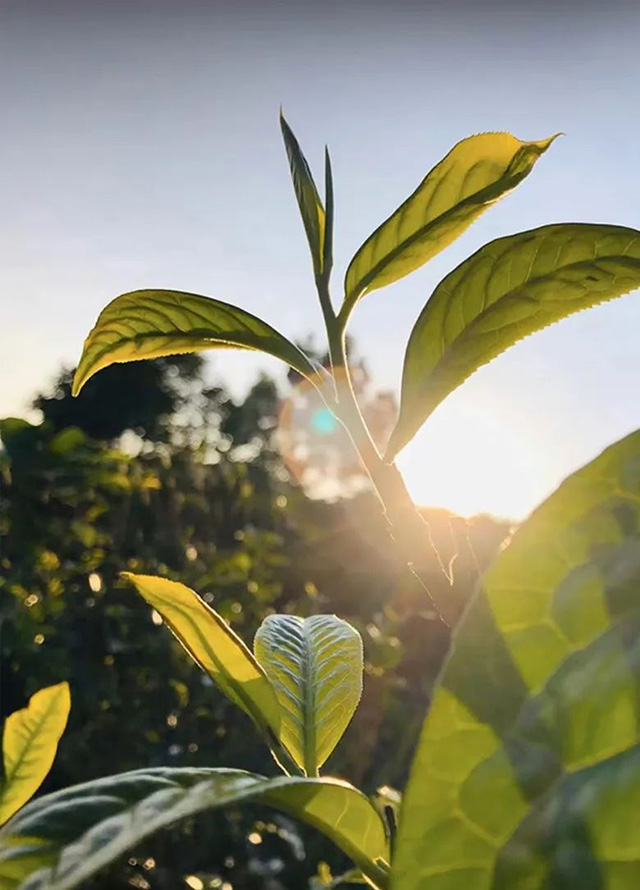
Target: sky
<point>141,148</point>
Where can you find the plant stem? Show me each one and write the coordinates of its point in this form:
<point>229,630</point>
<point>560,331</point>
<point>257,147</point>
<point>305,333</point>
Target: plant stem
<point>407,527</point>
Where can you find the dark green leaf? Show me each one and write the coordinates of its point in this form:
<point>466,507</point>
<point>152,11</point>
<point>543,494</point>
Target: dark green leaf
<point>58,841</point>
<point>527,773</point>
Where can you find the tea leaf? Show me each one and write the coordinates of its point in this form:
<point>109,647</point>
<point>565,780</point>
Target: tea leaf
<point>29,744</point>
<point>527,772</point>
<point>508,289</point>
<point>151,323</point>
<point>311,209</point>
<point>213,645</point>
<point>57,842</point>
<point>473,176</point>
<point>315,666</point>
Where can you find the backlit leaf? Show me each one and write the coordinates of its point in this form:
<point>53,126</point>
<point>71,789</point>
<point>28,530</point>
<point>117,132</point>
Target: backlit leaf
<point>311,209</point>
<point>473,176</point>
<point>58,841</point>
<point>527,774</point>
<point>151,323</point>
<point>315,666</point>
<point>29,744</point>
<point>213,645</point>
<point>508,289</point>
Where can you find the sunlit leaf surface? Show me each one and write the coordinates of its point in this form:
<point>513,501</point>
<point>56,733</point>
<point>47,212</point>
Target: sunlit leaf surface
<point>315,666</point>
<point>60,840</point>
<point>473,176</point>
<point>151,323</point>
<point>508,289</point>
<point>29,744</point>
<point>213,645</point>
<point>527,775</point>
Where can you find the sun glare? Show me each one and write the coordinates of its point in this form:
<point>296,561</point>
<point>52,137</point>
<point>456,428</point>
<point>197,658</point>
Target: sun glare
<point>473,457</point>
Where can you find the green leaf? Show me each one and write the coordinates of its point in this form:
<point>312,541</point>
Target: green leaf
<point>315,666</point>
<point>527,773</point>
<point>151,323</point>
<point>508,289</point>
<point>473,176</point>
<point>213,645</point>
<point>329,201</point>
<point>60,840</point>
<point>29,744</point>
<point>311,209</point>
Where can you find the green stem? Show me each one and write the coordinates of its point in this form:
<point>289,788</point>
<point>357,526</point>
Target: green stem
<point>407,527</point>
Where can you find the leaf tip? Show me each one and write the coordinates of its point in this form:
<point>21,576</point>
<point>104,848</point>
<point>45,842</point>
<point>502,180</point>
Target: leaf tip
<point>77,384</point>
<point>547,143</point>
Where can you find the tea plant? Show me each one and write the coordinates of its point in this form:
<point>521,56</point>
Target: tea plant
<point>527,774</point>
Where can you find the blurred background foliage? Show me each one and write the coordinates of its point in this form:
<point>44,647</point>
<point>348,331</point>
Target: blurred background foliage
<point>259,505</point>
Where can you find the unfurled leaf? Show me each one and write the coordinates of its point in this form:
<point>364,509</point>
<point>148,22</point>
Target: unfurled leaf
<point>508,289</point>
<point>59,841</point>
<point>29,744</point>
<point>527,774</point>
<point>151,323</point>
<point>315,666</point>
<point>473,176</point>
<point>311,209</point>
<point>213,645</point>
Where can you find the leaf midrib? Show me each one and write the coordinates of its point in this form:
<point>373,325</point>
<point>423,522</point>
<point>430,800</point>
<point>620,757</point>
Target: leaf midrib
<point>360,287</point>
<point>308,702</point>
<point>8,777</point>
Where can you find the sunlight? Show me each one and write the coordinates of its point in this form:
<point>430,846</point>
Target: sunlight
<point>477,457</point>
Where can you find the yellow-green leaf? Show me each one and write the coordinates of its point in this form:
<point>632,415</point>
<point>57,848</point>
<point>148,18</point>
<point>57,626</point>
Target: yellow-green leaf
<point>151,323</point>
<point>311,209</point>
<point>508,289</point>
<point>527,773</point>
<point>213,645</point>
<point>473,176</point>
<point>61,840</point>
<point>29,744</point>
<point>315,666</point>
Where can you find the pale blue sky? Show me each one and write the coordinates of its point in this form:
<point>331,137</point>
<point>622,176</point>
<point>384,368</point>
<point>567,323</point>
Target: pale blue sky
<point>141,148</point>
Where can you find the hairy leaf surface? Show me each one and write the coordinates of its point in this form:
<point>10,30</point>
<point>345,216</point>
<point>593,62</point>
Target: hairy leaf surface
<point>311,209</point>
<point>315,666</point>
<point>151,323</point>
<point>473,176</point>
<point>527,774</point>
<point>213,645</point>
<point>29,744</point>
<point>508,289</point>
<point>60,840</point>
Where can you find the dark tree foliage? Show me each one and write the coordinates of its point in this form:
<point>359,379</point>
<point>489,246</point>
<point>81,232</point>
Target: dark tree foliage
<point>207,500</point>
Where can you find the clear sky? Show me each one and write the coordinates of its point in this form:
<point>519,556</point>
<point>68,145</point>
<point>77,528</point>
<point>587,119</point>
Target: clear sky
<point>141,148</point>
